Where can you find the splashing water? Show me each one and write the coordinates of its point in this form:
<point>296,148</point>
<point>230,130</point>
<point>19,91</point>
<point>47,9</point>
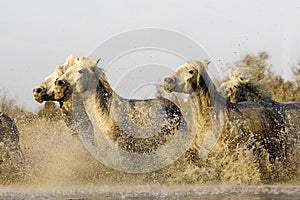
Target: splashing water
<point>58,166</point>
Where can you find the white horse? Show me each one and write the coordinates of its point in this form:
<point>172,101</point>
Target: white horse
<point>134,125</point>
<point>45,92</point>
<point>259,125</point>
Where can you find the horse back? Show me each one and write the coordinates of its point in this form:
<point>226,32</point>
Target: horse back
<point>172,111</point>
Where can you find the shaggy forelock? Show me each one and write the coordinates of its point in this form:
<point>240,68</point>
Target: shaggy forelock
<point>70,61</point>
<point>102,78</point>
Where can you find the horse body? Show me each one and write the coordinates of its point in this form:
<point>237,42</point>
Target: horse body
<point>133,125</point>
<point>242,89</point>
<point>249,94</point>
<point>260,125</point>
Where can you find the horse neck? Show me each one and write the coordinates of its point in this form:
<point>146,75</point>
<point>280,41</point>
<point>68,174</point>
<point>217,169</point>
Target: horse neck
<point>207,94</point>
<point>209,106</point>
<point>66,108</point>
<point>100,99</point>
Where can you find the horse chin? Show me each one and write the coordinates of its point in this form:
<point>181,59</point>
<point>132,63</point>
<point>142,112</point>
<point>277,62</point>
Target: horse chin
<point>167,89</point>
<point>39,99</point>
<point>177,88</point>
<point>183,90</point>
<point>59,95</point>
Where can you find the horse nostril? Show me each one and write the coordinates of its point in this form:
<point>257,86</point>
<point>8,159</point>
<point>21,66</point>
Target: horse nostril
<point>38,90</point>
<point>169,80</point>
<point>60,83</point>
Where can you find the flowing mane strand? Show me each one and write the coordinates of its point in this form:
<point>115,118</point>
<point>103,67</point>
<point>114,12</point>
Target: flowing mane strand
<point>103,89</point>
<point>103,80</point>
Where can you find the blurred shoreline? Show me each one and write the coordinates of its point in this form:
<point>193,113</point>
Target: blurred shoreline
<point>152,192</point>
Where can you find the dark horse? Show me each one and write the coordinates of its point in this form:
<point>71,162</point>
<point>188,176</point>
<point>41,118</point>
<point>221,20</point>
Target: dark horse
<point>11,156</point>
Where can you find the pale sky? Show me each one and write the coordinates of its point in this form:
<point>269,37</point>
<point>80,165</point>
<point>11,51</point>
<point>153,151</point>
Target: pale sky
<point>35,36</point>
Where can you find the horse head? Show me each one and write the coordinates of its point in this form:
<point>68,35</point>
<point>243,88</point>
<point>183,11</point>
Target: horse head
<point>186,78</point>
<point>76,78</point>
<point>45,91</point>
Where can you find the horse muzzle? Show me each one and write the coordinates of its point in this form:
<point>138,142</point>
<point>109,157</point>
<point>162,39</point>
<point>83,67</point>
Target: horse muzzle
<point>169,84</point>
<point>40,94</point>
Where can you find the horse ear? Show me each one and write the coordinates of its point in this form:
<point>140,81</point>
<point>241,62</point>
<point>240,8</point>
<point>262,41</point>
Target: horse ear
<point>93,63</point>
<point>204,63</point>
<point>98,61</point>
<point>58,67</point>
<point>76,60</point>
<point>207,62</point>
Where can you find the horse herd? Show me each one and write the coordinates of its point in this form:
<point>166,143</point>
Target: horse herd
<point>86,100</point>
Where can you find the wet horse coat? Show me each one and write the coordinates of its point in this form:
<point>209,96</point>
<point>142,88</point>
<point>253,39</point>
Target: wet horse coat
<point>260,125</point>
<point>134,125</point>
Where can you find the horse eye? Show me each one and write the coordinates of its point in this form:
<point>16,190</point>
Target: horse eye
<point>80,71</point>
<point>191,71</point>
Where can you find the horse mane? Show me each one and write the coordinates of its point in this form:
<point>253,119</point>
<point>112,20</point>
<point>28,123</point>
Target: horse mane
<point>103,80</point>
<point>238,88</point>
<point>204,87</point>
<point>103,89</point>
